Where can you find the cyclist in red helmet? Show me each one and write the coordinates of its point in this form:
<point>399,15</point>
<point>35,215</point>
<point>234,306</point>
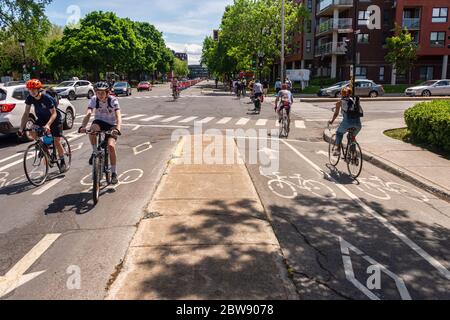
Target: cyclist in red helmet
<point>47,116</point>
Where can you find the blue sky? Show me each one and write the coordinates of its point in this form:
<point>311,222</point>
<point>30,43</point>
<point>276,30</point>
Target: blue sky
<point>185,23</point>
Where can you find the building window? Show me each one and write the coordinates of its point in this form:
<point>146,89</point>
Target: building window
<point>308,46</point>
<point>361,72</point>
<point>437,39</point>
<point>309,5</point>
<point>308,26</point>
<point>363,18</point>
<point>381,74</point>
<point>363,38</point>
<point>426,73</point>
<point>440,15</point>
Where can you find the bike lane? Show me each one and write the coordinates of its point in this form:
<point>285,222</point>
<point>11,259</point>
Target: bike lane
<point>381,239</point>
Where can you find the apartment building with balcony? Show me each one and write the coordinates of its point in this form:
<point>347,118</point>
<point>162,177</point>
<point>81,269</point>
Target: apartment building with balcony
<point>429,23</point>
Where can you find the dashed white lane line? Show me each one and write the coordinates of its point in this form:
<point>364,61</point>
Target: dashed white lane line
<point>134,117</point>
<point>261,122</point>
<point>300,124</point>
<point>242,122</point>
<point>11,157</point>
<point>188,120</point>
<point>224,120</point>
<point>152,118</point>
<point>170,119</point>
<point>431,260</point>
<point>47,186</point>
<point>206,120</point>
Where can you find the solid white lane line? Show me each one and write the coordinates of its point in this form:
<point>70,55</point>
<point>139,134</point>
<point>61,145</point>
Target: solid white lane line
<point>134,117</point>
<point>300,124</point>
<point>431,260</point>
<point>224,120</point>
<point>11,157</point>
<point>47,186</point>
<point>151,118</point>
<point>206,120</point>
<point>188,120</point>
<point>242,122</point>
<point>261,122</point>
<point>170,119</point>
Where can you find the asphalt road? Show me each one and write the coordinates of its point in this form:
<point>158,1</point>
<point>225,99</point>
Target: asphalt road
<point>333,232</point>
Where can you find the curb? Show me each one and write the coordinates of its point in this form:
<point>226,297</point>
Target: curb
<point>395,170</point>
<point>306,99</point>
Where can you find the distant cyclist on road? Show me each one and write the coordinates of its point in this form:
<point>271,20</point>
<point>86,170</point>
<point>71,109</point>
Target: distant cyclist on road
<point>284,100</point>
<point>107,117</point>
<point>48,117</point>
<point>175,86</point>
<point>348,121</point>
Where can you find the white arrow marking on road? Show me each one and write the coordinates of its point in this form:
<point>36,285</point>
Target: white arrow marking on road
<point>15,277</point>
<point>350,275</point>
<point>47,186</point>
<point>270,153</point>
<point>140,148</point>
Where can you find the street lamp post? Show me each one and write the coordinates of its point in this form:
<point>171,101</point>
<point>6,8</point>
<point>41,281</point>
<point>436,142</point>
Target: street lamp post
<point>282,41</point>
<point>22,45</point>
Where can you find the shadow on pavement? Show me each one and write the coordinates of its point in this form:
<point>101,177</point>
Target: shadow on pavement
<point>80,203</point>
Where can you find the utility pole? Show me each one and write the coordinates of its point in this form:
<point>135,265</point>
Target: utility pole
<point>282,42</point>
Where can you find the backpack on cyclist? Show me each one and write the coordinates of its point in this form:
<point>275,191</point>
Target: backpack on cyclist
<point>354,109</point>
<point>285,101</point>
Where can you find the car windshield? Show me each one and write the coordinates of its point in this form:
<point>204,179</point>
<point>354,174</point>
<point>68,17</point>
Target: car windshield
<point>120,84</point>
<point>2,95</point>
<point>65,84</point>
<point>428,83</point>
<point>340,84</point>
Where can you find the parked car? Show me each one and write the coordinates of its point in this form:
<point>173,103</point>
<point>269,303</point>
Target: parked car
<point>74,89</point>
<point>363,88</point>
<point>339,85</point>
<point>122,88</point>
<point>144,86</point>
<point>12,106</point>
<point>430,88</point>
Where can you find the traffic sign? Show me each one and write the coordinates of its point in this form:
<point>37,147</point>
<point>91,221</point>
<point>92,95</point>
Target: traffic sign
<point>26,76</point>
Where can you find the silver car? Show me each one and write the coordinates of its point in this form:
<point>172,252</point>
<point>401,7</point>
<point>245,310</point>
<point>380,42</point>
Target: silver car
<point>12,107</point>
<point>430,88</point>
<point>75,89</point>
<point>363,88</point>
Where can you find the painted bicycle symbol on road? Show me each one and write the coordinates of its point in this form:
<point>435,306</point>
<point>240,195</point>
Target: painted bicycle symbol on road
<point>379,189</point>
<point>284,187</point>
<point>127,177</point>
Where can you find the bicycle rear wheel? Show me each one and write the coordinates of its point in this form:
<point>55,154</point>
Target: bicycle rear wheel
<point>334,160</point>
<point>96,177</point>
<point>286,124</point>
<point>35,164</point>
<point>354,160</point>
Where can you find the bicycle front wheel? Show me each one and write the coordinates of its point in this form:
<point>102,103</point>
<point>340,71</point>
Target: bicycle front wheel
<point>354,160</point>
<point>334,160</point>
<point>96,177</point>
<point>35,164</point>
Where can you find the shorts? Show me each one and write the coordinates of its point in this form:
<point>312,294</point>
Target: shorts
<point>105,126</point>
<point>56,128</point>
<point>277,90</point>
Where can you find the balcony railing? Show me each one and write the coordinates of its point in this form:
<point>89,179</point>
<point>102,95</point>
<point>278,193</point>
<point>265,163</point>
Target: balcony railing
<point>411,23</point>
<point>327,49</point>
<point>344,24</point>
<point>328,3</point>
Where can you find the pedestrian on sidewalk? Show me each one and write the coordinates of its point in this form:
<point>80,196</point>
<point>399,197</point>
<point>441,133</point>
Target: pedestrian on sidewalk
<point>278,85</point>
<point>265,84</point>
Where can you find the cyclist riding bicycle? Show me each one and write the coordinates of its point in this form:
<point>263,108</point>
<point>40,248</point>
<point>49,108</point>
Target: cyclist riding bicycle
<point>107,117</point>
<point>257,94</point>
<point>284,100</point>
<point>48,117</point>
<point>175,86</point>
<point>349,120</point>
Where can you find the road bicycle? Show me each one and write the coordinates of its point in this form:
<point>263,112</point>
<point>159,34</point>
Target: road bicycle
<point>351,153</point>
<point>176,93</point>
<point>42,155</point>
<point>100,161</point>
<point>284,121</point>
<point>284,188</point>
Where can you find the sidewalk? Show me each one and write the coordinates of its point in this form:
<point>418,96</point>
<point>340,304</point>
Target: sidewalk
<point>205,236</point>
<point>416,165</point>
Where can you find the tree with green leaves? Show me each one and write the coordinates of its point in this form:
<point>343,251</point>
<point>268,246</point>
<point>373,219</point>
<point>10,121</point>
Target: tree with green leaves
<point>402,51</point>
<point>180,68</point>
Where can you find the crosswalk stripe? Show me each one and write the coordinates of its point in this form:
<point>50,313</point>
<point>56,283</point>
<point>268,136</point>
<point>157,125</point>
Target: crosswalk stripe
<point>188,120</point>
<point>134,117</point>
<point>206,120</point>
<point>300,124</point>
<point>242,122</point>
<point>224,120</point>
<point>170,119</point>
<point>261,122</point>
<point>151,118</point>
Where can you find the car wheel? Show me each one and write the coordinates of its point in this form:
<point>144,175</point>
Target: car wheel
<point>90,94</point>
<point>69,120</point>
<point>426,93</point>
<point>373,94</point>
<point>72,95</point>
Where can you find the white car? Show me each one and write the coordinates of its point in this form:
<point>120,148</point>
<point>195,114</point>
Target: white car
<point>430,88</point>
<point>12,107</point>
<point>75,89</point>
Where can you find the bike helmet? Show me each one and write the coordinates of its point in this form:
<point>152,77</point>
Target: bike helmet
<point>34,84</point>
<point>101,86</point>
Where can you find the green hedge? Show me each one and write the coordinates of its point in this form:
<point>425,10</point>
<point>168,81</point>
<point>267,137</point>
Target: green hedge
<point>429,122</point>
